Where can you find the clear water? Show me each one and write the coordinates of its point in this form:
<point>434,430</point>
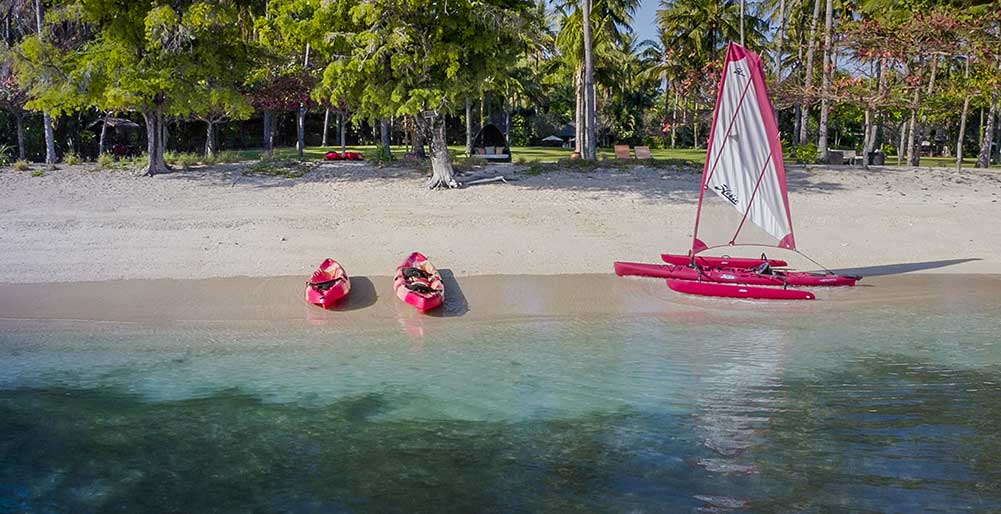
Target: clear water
<point>890,409</point>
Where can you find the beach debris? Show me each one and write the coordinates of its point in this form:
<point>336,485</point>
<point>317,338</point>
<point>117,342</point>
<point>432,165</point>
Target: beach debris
<point>499,178</point>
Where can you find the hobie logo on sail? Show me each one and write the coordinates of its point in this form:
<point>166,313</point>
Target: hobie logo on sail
<point>727,193</point>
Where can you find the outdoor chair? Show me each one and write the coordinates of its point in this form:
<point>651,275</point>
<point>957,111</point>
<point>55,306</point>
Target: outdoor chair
<point>643,153</point>
<point>622,152</point>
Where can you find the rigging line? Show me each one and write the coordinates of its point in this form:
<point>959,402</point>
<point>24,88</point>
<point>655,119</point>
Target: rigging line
<point>726,137</point>
<point>753,194</point>
<point>829,272</point>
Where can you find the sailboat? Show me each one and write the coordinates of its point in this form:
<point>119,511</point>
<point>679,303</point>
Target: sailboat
<point>744,166</point>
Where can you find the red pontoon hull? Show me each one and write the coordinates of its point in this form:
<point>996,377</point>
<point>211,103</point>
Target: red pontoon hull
<point>420,301</point>
<point>329,270</point>
<point>737,291</point>
<point>720,262</point>
<point>732,275</point>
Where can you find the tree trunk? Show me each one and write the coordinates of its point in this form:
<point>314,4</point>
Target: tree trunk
<point>867,138</point>
<point>442,175</point>
<point>483,109</point>
<point>104,133</point>
<point>780,39</point>
<point>342,125</point>
<point>268,135</point>
<point>805,107</point>
<point>326,123</point>
<point>50,138</point>
<point>155,144</point>
<point>210,139</point>
<point>507,122</point>
<point>903,141</point>
<point>826,75</point>
<point>469,126</point>
<point>913,153</point>
<point>22,154</point>
<point>591,147</point>
<point>962,120</point>
<point>674,121</point>
<point>695,124</point>
<point>984,159</point>
<point>300,142</point>
<point>384,139</point>
<point>962,133</point>
<point>579,112</point>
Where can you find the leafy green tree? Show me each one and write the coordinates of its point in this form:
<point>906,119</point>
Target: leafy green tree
<point>143,56</point>
<point>420,57</point>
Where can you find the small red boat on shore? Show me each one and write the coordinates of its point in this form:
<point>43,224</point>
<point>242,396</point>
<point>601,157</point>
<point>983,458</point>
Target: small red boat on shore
<point>762,275</point>
<point>418,283</point>
<point>328,285</point>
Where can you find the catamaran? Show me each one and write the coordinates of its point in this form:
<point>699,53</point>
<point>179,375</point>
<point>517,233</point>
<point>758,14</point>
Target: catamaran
<point>744,167</point>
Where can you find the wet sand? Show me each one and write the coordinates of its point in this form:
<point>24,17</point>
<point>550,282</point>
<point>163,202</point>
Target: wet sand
<point>475,298</point>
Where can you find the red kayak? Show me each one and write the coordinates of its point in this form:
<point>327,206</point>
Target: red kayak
<point>418,283</point>
<point>328,285</point>
<point>767,277</point>
<point>735,291</point>
<point>332,156</point>
<point>720,262</point>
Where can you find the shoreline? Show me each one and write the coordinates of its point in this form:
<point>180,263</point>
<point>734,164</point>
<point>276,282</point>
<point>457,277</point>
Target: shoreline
<point>74,225</point>
<point>472,298</point>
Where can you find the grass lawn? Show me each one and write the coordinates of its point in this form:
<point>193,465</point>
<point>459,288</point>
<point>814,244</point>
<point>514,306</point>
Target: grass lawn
<point>549,154</point>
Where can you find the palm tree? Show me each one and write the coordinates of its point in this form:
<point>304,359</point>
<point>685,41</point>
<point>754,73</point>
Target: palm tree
<point>609,20</point>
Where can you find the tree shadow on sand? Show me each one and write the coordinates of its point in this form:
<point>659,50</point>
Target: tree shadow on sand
<point>674,183</point>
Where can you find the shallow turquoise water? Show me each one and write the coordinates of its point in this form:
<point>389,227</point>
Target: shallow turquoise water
<point>894,409</point>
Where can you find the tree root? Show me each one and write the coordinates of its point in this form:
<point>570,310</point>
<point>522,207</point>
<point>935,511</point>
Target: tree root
<point>438,183</point>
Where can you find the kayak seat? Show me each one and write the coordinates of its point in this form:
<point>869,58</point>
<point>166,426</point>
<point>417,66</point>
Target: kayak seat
<point>413,273</point>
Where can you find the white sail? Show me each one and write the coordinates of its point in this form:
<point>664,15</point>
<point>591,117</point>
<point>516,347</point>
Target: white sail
<point>744,164</point>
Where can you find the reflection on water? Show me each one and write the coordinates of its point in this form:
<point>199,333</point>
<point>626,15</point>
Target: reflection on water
<point>724,411</point>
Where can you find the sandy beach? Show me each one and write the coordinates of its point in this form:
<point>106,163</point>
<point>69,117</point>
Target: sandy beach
<point>75,224</point>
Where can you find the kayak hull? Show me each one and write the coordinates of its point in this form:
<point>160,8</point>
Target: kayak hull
<point>732,275</point>
<point>420,301</point>
<point>720,262</point>
<point>327,298</point>
<point>737,291</point>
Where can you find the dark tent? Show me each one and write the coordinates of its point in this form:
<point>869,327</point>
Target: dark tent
<point>491,145</point>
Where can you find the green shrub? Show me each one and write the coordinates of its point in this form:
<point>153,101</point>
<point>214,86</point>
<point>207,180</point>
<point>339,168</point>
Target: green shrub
<point>72,159</point>
<point>228,156</point>
<point>105,161</point>
<point>22,165</point>
<point>806,154</point>
<point>182,159</point>
<point>6,155</point>
<point>38,173</point>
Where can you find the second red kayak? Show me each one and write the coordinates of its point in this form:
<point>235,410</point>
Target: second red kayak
<point>418,283</point>
<point>733,275</point>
